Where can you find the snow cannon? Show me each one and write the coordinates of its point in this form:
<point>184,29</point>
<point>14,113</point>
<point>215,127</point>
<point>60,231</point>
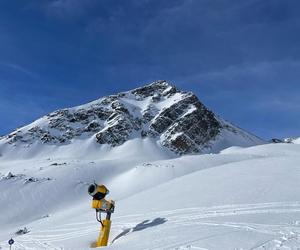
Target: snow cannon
<point>98,192</point>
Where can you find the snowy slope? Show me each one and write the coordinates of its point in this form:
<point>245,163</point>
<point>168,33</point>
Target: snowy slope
<point>241,198</point>
<point>296,141</point>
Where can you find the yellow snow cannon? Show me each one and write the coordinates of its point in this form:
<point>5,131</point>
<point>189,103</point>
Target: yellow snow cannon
<point>98,192</point>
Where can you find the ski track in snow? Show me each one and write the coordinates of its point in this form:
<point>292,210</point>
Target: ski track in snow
<point>280,234</point>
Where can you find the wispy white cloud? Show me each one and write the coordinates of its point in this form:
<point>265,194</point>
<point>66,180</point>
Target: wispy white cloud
<point>18,68</point>
<point>67,9</point>
<point>259,73</point>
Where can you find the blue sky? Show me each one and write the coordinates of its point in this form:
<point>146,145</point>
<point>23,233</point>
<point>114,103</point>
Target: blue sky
<point>241,58</point>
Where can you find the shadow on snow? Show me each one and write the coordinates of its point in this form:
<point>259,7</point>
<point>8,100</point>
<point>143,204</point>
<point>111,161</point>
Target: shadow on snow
<point>141,226</point>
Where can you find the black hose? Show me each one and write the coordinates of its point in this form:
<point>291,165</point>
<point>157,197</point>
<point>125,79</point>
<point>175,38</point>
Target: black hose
<point>99,217</point>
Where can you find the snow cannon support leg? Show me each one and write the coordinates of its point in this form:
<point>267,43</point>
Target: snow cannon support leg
<point>104,234</point>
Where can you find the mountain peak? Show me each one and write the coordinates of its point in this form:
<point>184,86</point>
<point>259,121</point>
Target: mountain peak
<point>175,119</point>
<point>160,87</point>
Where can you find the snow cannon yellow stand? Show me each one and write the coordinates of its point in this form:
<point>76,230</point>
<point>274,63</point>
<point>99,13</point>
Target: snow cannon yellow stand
<point>98,192</point>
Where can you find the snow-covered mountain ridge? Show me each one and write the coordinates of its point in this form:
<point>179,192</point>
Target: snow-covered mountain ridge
<point>174,119</point>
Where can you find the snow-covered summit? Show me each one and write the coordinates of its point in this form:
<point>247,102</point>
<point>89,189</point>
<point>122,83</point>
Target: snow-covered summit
<point>174,119</point>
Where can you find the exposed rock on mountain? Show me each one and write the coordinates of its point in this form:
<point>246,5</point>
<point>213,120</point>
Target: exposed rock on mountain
<point>176,119</point>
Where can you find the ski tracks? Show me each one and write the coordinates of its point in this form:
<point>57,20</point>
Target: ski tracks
<point>282,236</point>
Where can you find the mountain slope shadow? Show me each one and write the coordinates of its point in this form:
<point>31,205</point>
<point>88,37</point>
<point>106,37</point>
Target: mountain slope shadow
<point>141,226</point>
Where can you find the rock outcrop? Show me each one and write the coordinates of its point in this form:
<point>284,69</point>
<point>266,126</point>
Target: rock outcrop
<point>177,119</point>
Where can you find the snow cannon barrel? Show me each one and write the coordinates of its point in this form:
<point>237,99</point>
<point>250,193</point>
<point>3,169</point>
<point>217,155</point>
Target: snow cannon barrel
<point>98,192</point>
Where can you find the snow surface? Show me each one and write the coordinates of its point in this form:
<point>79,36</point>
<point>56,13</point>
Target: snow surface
<point>296,141</point>
<point>240,198</point>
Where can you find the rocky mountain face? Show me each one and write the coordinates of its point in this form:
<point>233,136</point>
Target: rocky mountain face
<point>177,119</point>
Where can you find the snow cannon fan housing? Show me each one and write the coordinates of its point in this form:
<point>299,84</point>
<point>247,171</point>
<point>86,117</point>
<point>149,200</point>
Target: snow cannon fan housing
<point>98,192</point>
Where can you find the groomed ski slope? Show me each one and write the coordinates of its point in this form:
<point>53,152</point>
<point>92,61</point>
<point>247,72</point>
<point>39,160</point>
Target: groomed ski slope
<point>241,198</point>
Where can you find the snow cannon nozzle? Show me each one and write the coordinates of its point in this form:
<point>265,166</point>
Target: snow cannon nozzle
<point>98,192</point>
